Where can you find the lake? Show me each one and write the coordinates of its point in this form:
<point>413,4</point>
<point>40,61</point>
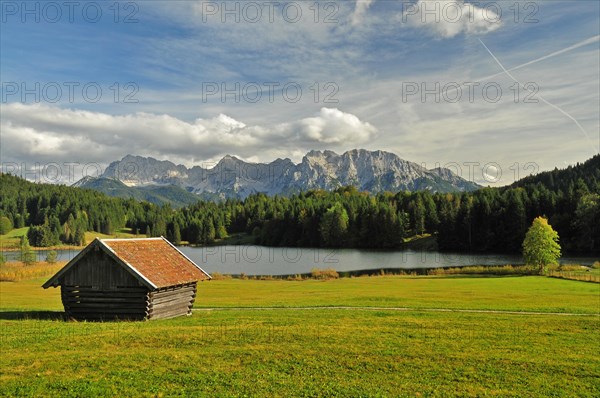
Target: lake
<point>262,260</point>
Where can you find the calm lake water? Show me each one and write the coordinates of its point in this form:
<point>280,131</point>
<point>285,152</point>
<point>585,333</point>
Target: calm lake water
<point>261,260</point>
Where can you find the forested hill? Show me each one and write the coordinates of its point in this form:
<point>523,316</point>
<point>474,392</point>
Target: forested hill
<point>66,212</point>
<point>565,179</point>
<point>158,194</point>
<point>489,219</point>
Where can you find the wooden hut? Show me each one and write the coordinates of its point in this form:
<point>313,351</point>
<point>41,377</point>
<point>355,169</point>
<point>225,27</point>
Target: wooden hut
<point>128,279</point>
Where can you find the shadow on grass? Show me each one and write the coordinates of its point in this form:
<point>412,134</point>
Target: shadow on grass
<point>36,315</point>
<point>57,316</point>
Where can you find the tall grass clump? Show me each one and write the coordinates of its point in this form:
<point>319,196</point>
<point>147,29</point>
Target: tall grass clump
<point>482,270</point>
<point>217,276</point>
<point>577,272</point>
<point>571,267</point>
<point>324,274</point>
<point>18,271</point>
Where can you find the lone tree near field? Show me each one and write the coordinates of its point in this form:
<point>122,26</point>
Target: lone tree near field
<point>540,247</point>
<point>27,256</point>
<point>6,225</point>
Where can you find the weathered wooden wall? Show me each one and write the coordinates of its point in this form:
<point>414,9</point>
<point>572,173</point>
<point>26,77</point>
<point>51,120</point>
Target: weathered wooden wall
<point>172,301</point>
<point>86,303</point>
<point>99,271</point>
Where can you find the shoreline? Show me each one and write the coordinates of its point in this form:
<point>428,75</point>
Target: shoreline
<point>36,249</point>
<point>14,271</point>
<point>13,249</point>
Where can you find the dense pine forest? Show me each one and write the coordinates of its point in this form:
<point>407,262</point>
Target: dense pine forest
<point>490,219</point>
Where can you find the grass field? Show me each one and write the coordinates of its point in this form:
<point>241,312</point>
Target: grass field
<point>227,351</point>
<point>12,239</point>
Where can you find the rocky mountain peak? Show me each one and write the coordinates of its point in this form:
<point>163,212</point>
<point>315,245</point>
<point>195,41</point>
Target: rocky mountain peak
<point>374,171</point>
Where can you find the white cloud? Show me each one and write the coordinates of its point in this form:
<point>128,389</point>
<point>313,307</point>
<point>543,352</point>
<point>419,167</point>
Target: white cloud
<point>360,10</point>
<point>41,133</point>
<point>449,18</point>
<point>331,126</point>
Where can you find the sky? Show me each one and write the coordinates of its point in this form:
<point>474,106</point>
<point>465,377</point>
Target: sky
<point>493,90</point>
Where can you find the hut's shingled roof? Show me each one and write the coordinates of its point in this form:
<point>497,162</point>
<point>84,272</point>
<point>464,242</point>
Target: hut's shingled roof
<point>156,260</point>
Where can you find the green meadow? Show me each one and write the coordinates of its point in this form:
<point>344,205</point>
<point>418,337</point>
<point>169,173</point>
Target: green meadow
<point>398,336</point>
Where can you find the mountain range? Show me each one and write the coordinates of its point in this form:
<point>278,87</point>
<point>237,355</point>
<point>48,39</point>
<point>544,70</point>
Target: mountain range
<point>373,171</point>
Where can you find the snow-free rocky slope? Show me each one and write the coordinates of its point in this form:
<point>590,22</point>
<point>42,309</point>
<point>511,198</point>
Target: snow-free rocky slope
<point>373,171</point>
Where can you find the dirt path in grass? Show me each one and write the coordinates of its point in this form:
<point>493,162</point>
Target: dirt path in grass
<point>407,309</point>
